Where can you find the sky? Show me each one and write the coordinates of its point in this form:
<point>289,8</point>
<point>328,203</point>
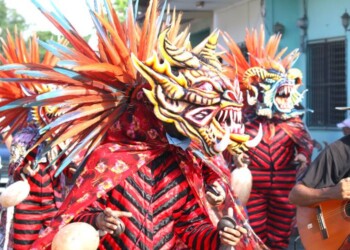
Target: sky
<point>75,10</point>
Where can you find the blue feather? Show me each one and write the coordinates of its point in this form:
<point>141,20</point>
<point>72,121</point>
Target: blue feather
<point>49,95</point>
<point>99,28</point>
<point>16,104</point>
<point>51,49</point>
<point>32,73</point>
<point>67,63</point>
<point>160,18</point>
<point>95,5</point>
<point>66,72</point>
<point>12,66</point>
<point>136,9</point>
<point>63,119</point>
<point>89,5</point>
<point>9,80</point>
<point>53,161</point>
<point>75,151</point>
<point>109,14</point>
<point>38,5</point>
<point>61,18</point>
<point>61,47</point>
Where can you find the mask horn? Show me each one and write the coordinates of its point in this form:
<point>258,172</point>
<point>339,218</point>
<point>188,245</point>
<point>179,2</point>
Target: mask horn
<point>179,57</point>
<point>208,52</point>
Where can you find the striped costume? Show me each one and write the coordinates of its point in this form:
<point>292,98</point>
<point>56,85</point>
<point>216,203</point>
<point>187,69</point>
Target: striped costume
<point>273,99</point>
<point>46,192</point>
<point>270,213</point>
<point>116,106</point>
<point>163,207</point>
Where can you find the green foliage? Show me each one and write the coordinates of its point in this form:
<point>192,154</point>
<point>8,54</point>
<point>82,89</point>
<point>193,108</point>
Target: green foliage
<point>46,35</point>
<point>120,7</point>
<point>9,19</point>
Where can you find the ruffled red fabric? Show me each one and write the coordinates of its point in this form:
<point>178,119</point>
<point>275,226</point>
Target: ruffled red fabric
<point>136,140</point>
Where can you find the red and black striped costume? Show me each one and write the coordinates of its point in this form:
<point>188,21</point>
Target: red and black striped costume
<point>152,187</point>
<point>37,210</point>
<point>164,209</point>
<point>270,213</point>
<point>45,197</point>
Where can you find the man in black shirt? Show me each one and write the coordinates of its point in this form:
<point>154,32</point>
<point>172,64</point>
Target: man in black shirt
<point>327,178</point>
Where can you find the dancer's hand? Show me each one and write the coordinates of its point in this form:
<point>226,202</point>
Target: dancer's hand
<point>27,169</point>
<point>216,199</point>
<point>303,164</point>
<point>241,160</point>
<point>231,236</point>
<point>109,222</point>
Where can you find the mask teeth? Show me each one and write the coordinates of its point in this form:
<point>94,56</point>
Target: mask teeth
<point>225,141</point>
<point>255,141</point>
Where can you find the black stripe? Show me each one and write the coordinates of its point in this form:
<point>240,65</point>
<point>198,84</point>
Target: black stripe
<point>164,240</point>
<point>190,209</point>
<point>162,224</point>
<point>138,224</point>
<point>19,231</point>
<point>278,228</point>
<point>126,195</point>
<point>109,247</point>
<point>171,202</point>
<point>199,218</point>
<point>27,222</point>
<point>38,203</point>
<point>166,171</point>
<point>147,179</point>
<point>25,211</point>
<point>42,194</point>
<point>135,239</point>
<point>175,182</point>
<point>23,242</point>
<point>141,191</point>
<point>203,241</point>
<point>160,160</point>
<point>39,183</point>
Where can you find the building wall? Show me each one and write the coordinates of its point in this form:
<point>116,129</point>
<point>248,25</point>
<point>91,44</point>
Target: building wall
<point>236,18</point>
<point>323,22</point>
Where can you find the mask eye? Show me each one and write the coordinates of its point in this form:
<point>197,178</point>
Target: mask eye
<point>205,86</point>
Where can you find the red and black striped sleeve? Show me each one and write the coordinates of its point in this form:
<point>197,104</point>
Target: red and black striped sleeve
<point>193,226</point>
<point>90,213</point>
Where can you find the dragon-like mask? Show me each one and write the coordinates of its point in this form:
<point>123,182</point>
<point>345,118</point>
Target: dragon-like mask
<point>189,90</point>
<point>275,90</point>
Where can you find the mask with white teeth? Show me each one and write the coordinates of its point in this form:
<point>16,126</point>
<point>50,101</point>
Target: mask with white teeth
<point>267,77</point>
<point>275,91</point>
<point>189,90</point>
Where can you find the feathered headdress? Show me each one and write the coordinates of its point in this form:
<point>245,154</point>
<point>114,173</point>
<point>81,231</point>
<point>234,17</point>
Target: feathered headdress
<point>20,92</point>
<point>267,75</point>
<point>97,89</point>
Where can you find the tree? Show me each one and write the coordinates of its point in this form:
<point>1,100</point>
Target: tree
<point>120,7</point>
<point>9,19</point>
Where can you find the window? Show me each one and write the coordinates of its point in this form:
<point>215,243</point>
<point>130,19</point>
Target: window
<point>326,82</point>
